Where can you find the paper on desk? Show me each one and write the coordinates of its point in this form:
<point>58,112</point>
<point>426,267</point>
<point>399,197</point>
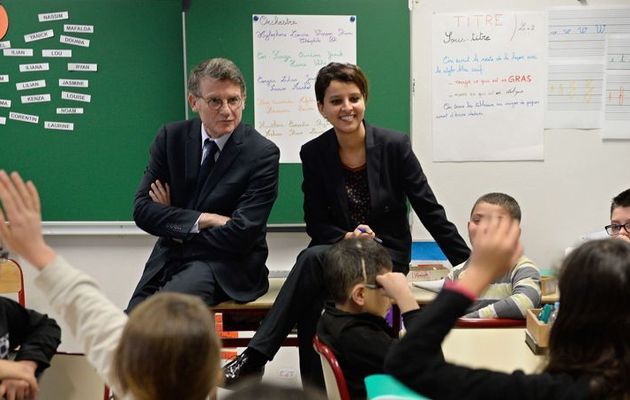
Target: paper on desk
<point>433,286</point>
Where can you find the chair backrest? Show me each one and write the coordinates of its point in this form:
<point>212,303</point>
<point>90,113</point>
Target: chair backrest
<point>11,279</point>
<point>336,386</point>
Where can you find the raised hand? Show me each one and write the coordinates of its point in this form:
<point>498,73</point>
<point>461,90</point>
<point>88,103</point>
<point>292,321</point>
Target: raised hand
<point>22,210</point>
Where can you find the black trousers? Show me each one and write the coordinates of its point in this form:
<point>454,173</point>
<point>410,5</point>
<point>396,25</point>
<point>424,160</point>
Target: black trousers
<point>191,277</point>
<point>300,301</point>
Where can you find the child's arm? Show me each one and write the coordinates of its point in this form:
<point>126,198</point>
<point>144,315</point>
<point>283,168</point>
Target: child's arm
<point>525,281</point>
<point>397,288</point>
<point>36,335</point>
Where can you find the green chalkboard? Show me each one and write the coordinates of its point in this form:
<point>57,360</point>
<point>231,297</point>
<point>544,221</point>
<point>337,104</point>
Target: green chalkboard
<point>224,29</point>
<point>91,173</point>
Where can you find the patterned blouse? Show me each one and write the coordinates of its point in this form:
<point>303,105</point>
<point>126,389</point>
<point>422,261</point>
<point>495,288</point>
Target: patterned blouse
<point>358,194</point>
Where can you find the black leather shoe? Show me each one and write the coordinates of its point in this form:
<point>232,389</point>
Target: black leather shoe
<point>240,369</point>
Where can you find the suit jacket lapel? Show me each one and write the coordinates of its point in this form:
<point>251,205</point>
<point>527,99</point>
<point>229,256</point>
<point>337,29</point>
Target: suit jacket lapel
<point>373,150</point>
<point>334,173</point>
<point>227,156</point>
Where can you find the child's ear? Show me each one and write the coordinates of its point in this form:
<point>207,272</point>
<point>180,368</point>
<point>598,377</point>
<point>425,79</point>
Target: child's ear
<point>358,295</point>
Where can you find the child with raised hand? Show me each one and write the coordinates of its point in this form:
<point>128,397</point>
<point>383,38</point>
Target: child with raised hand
<point>359,279</point>
<point>589,352</point>
<point>518,289</point>
<point>166,349</point>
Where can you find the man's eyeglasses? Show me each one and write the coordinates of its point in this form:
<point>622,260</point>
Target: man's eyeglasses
<point>615,229</point>
<point>216,103</point>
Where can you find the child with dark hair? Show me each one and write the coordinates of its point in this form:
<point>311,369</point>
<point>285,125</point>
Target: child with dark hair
<point>355,326</point>
<point>510,295</point>
<point>619,227</point>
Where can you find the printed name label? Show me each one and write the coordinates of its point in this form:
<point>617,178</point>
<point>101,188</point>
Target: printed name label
<point>70,110</point>
<point>53,16</point>
<point>3,121</point>
<point>5,44</point>
<point>30,85</point>
<point>82,67</point>
<point>76,96</point>
<point>34,67</point>
<point>74,40</point>
<point>63,126</point>
<point>78,28</point>
<point>18,52</point>
<point>74,82</point>
<point>33,119</point>
<point>31,37</point>
<point>5,103</point>
<point>4,78</point>
<point>56,53</point>
<point>35,98</point>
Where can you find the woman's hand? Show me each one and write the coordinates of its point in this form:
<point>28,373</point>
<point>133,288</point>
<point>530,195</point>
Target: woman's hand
<point>361,231</point>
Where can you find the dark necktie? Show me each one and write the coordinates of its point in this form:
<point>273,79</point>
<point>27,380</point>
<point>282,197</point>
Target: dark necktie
<point>210,148</point>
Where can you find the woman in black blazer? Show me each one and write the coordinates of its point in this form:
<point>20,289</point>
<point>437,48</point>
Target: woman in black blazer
<point>357,180</point>
<point>358,177</point>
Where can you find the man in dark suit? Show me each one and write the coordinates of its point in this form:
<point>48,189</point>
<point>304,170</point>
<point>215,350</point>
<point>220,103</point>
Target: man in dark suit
<point>207,193</point>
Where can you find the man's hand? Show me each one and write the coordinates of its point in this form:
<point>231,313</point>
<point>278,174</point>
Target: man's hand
<point>160,193</point>
<point>397,288</point>
<point>209,220</point>
<point>18,380</point>
<point>496,249</point>
<point>23,233</point>
<point>361,231</point>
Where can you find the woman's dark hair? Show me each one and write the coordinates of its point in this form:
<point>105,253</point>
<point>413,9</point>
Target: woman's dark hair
<point>340,72</point>
<point>591,335</point>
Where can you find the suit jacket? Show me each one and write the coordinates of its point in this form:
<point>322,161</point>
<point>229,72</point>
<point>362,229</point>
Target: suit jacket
<point>242,185</point>
<point>394,176</point>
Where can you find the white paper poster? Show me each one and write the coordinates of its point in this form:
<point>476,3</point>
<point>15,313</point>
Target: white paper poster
<point>289,50</point>
<point>574,94</point>
<point>585,44</point>
<point>488,86</point>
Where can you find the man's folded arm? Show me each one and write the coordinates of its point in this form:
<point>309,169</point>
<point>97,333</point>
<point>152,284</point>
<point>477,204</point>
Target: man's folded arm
<point>250,216</point>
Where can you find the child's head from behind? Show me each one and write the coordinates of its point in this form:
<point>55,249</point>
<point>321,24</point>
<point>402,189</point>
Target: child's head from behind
<point>169,349</point>
<point>592,330</point>
<point>350,275</point>
<point>489,206</point>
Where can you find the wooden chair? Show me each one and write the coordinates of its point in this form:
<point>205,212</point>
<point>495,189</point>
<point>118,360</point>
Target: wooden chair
<point>336,386</point>
<point>11,279</point>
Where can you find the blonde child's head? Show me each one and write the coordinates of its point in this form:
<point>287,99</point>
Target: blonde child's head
<point>169,349</point>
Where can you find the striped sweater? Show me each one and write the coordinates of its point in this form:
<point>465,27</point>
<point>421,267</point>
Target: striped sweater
<point>510,295</point>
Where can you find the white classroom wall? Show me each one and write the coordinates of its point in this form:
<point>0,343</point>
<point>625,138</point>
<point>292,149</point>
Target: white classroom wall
<point>562,198</point>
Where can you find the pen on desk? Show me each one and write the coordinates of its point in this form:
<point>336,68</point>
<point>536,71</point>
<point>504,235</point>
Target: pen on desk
<point>375,238</point>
